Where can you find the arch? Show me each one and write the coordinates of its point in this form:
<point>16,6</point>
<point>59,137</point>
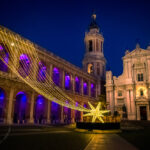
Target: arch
<point>85,88</point>
<point>92,90</point>
<point>67,81</point>
<point>20,107</point>
<point>77,84</point>
<point>56,76</point>
<point>24,65</point>
<point>5,56</point>
<point>90,68</point>
<point>55,113</point>
<point>67,114</point>
<point>41,72</point>
<point>39,109</point>
<point>2,104</point>
<point>77,114</point>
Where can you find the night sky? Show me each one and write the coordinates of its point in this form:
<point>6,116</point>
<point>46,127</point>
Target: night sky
<point>59,26</point>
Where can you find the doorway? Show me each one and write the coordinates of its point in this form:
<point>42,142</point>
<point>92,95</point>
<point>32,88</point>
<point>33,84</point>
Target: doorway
<point>143,113</point>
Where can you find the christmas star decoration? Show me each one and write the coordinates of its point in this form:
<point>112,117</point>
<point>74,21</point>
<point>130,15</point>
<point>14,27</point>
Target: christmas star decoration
<point>96,112</point>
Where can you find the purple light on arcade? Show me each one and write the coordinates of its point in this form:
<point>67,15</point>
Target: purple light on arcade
<point>67,81</point>
<point>5,56</point>
<point>92,90</point>
<point>77,84</point>
<point>2,97</point>
<point>56,76</point>
<point>20,107</point>
<point>85,88</point>
<point>41,72</point>
<point>39,109</point>
<point>24,65</point>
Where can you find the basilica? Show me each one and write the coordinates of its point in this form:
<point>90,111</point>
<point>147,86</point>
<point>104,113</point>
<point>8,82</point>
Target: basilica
<point>129,94</point>
<point>21,104</point>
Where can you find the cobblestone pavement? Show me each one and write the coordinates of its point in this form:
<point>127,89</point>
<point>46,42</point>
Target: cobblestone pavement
<point>109,142</point>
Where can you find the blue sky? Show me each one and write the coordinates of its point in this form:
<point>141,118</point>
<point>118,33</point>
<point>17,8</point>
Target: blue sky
<point>60,25</point>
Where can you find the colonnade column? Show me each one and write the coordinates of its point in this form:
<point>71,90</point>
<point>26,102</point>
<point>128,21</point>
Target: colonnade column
<point>62,115</point>
<point>31,120</point>
<point>81,86</point>
<point>81,113</point>
<point>89,88</point>
<point>10,105</point>
<point>72,116</point>
<point>51,71</point>
<point>63,79</point>
<point>73,83</point>
<point>49,112</point>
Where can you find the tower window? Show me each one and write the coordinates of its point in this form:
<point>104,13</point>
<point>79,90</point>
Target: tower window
<point>97,46</point>
<point>141,92</point>
<point>90,46</point>
<point>101,46</point>
<point>90,68</point>
<point>140,77</point>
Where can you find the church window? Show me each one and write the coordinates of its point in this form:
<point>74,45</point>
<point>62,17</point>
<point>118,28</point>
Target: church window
<point>90,46</point>
<point>140,77</point>
<point>141,92</point>
<point>119,93</point>
<point>90,68</point>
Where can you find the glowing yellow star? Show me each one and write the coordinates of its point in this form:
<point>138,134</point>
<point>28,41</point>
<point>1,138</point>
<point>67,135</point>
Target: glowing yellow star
<point>96,112</point>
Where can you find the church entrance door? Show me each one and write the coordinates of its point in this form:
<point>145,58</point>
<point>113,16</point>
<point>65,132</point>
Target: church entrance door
<point>143,113</point>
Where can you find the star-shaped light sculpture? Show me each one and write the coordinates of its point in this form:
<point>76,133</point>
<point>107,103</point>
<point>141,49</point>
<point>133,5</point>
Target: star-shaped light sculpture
<point>96,112</point>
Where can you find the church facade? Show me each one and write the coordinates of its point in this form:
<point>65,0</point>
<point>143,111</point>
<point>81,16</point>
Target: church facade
<point>20,104</point>
<point>129,94</point>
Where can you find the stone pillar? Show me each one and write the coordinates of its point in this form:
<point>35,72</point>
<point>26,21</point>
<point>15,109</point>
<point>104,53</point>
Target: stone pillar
<point>31,120</point>
<point>133,111</point>
<point>138,112</point>
<point>112,102</point>
<point>89,88</point>
<point>48,112</point>
<point>72,116</point>
<point>73,83</point>
<point>81,114</point>
<point>63,79</point>
<point>81,86</point>
<point>10,105</point>
<point>62,115</point>
<point>51,71</point>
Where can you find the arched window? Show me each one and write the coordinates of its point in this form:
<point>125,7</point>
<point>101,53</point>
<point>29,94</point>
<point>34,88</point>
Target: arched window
<point>90,46</point>
<point>77,84</point>
<point>92,90</point>
<point>90,68</point>
<point>20,107</point>
<point>141,92</point>
<point>24,65</point>
<point>85,88</point>
<point>67,81</point>
<point>5,57</point>
<point>56,76</point>
<point>39,109</point>
<point>42,72</point>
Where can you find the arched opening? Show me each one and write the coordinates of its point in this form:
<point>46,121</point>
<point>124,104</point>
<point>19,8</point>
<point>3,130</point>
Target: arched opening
<point>90,68</point>
<point>77,84</point>
<point>55,113</point>
<point>56,76</point>
<point>24,65</point>
<point>67,114</point>
<point>92,90</point>
<point>39,109</point>
<point>85,88</point>
<point>41,72</point>
<point>2,104</point>
<point>77,114</point>
<point>5,56</point>
<point>20,108</point>
<point>67,81</point>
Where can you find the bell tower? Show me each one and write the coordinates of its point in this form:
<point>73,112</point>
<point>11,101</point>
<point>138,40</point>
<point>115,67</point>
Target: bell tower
<point>94,61</point>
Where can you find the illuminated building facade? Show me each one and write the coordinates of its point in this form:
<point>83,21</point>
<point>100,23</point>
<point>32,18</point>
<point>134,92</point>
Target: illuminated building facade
<point>129,94</point>
<point>19,103</point>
